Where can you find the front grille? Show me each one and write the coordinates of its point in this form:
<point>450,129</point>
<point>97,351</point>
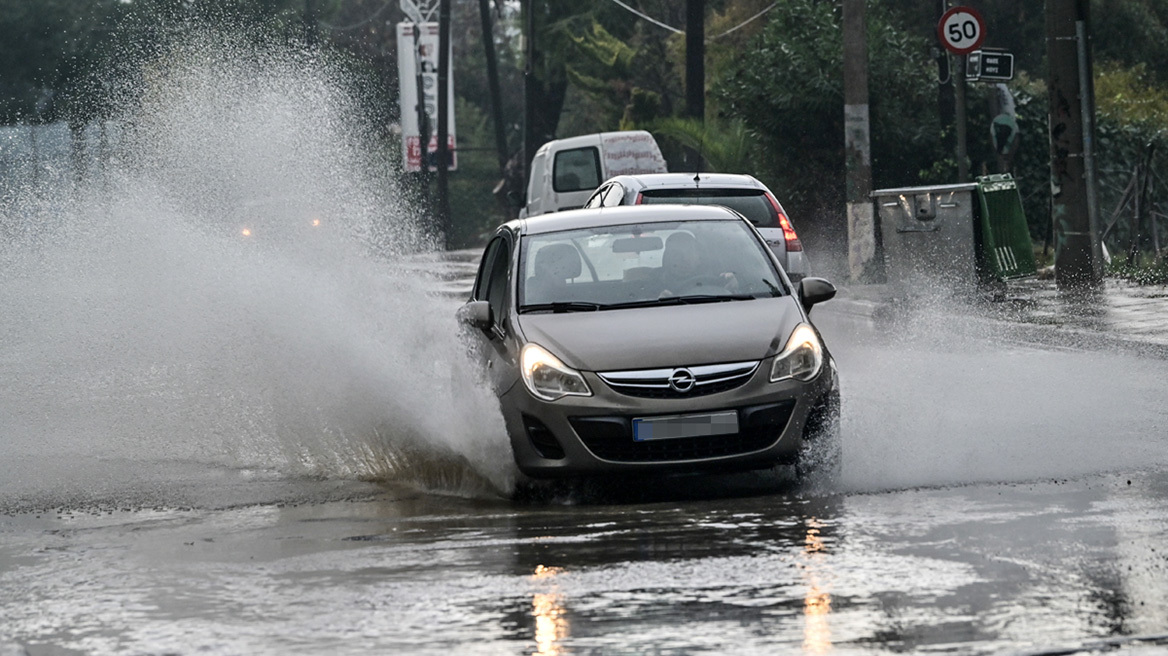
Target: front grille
<point>654,383</point>
<point>611,438</point>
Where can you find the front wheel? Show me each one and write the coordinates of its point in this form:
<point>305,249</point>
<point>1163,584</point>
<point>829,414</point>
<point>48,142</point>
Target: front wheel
<point>821,456</point>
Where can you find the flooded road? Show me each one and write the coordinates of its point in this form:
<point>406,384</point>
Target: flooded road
<point>926,545</point>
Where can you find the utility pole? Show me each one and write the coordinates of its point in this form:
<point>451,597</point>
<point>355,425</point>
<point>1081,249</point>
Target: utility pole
<point>861,224</point>
<point>1078,253</point>
<point>960,118</point>
<point>695,68</point>
<point>443,117</point>
<point>493,84</point>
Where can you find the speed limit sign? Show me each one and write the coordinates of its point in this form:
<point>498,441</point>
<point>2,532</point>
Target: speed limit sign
<point>961,30</point>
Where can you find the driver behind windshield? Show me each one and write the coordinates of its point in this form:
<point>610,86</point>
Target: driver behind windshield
<point>681,268</point>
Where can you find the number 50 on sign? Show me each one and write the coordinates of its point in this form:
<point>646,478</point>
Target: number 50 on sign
<point>961,30</point>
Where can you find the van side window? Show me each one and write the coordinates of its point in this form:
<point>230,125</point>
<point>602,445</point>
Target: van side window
<point>576,170</point>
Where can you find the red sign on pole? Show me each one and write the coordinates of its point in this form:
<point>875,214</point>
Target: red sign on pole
<point>961,30</point>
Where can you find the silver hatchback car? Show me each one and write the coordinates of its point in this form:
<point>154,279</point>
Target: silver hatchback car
<point>742,193</point>
<point>661,338</point>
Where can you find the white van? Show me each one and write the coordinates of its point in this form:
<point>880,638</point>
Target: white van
<point>565,172</point>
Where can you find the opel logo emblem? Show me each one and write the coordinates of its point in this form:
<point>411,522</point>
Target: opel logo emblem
<point>682,380</point>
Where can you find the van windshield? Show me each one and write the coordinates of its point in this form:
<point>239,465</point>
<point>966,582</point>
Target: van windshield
<point>576,170</point>
<point>639,265</point>
<point>751,203</point>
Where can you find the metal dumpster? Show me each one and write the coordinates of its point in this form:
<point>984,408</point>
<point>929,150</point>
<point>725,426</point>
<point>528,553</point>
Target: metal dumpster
<point>954,237</point>
<point>927,235</point>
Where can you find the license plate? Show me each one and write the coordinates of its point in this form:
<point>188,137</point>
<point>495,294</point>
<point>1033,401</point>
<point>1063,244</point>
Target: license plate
<point>678,426</point>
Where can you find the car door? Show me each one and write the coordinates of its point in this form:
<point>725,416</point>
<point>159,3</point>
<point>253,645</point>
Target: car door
<point>494,343</point>
<point>597,197</point>
<point>614,195</point>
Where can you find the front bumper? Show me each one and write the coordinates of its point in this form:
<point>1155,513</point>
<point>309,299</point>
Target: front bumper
<point>593,435</point>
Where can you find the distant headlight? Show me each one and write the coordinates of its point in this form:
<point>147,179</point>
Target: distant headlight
<point>801,358</point>
<point>547,378</point>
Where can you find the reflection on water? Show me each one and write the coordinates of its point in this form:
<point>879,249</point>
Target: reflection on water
<point>551,621</point>
<point>817,600</point>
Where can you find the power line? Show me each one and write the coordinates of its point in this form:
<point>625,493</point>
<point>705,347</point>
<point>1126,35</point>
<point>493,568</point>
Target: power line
<point>745,22</point>
<point>677,31</point>
<point>649,18</point>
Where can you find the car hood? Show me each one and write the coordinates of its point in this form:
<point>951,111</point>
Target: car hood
<point>665,336</point>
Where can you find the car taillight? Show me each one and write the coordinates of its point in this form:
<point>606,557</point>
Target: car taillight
<point>789,236</point>
<point>639,197</point>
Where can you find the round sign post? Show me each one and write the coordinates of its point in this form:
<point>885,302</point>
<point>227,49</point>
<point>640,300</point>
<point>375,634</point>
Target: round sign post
<point>961,30</point>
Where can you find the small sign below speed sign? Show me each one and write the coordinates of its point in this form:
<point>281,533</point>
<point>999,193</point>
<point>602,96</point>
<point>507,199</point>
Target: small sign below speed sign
<point>962,30</point>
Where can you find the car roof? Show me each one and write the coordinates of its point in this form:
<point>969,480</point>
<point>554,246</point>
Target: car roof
<point>689,181</point>
<point>595,139</point>
<point>622,215</point>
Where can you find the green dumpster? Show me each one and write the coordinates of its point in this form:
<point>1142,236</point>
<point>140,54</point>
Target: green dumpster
<point>1004,248</point>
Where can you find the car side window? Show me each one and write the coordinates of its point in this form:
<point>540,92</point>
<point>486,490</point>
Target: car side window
<point>614,196</point>
<point>489,255</point>
<point>500,268</point>
<point>597,198</point>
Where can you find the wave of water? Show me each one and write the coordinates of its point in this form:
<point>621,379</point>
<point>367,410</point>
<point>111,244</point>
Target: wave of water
<point>142,325</point>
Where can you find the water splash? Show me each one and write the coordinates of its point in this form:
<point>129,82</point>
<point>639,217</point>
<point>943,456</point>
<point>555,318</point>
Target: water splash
<point>229,289</point>
<point>937,393</point>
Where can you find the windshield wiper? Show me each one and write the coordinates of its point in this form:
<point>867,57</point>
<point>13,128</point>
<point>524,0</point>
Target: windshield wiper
<point>682,300</point>
<point>562,306</point>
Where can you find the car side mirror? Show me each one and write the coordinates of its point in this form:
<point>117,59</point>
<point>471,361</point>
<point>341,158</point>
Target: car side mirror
<point>476,314</point>
<point>815,290</point>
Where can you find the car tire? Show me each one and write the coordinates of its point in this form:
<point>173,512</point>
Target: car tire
<point>821,455</point>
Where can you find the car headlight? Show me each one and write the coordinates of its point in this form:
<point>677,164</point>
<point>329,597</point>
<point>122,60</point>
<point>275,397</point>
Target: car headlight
<point>801,358</point>
<point>547,378</point>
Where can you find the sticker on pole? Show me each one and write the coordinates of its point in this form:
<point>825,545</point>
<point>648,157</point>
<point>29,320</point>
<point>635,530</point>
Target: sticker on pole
<point>961,30</point>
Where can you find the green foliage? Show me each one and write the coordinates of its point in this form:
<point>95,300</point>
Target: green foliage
<point>1154,272</point>
<point>596,44</point>
<point>643,108</point>
<point>1131,33</point>
<point>1131,96</point>
<point>724,145</point>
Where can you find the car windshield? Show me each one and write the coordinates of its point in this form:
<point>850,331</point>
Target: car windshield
<point>642,265</point>
<point>751,203</point>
